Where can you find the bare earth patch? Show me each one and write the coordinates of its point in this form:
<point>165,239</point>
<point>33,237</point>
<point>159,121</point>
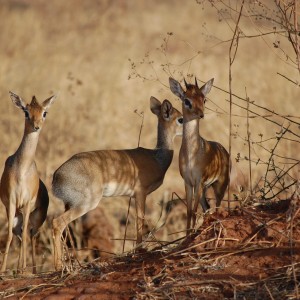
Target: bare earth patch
<point>250,253</point>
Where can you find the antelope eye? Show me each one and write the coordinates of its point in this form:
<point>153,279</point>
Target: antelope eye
<point>26,114</point>
<point>44,114</point>
<point>204,100</point>
<point>188,103</point>
<point>180,120</point>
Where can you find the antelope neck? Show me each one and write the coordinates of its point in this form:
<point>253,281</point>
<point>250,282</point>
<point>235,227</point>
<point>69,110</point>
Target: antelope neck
<point>26,151</point>
<point>191,137</point>
<point>164,140</point>
<point>164,148</point>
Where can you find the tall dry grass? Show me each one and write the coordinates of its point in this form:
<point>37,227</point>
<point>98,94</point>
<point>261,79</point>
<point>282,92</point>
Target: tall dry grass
<point>80,50</point>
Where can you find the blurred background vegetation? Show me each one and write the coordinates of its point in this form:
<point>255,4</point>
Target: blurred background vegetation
<point>104,59</point>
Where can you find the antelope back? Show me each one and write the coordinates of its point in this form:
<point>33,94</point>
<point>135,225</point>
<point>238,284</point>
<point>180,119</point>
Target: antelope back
<point>193,98</point>
<point>35,113</point>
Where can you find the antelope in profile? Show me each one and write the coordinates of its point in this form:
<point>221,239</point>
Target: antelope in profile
<point>202,163</point>
<point>83,180</point>
<point>22,192</point>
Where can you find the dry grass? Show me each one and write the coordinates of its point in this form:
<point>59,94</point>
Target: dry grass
<point>258,261</point>
<point>80,50</point>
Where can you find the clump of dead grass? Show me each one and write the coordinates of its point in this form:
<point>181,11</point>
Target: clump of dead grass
<point>250,252</point>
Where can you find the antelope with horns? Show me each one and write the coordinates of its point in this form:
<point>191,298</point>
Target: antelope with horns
<point>86,177</point>
<point>202,163</point>
<point>22,192</point>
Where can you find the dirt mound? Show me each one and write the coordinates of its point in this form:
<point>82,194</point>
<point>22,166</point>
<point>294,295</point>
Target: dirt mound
<point>245,254</point>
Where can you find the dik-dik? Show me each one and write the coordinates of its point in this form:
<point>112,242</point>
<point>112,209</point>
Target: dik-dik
<point>22,192</point>
<point>202,163</point>
<point>83,180</point>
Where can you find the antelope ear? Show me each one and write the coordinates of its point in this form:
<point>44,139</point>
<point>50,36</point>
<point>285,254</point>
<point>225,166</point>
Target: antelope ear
<point>167,110</point>
<point>17,100</point>
<point>205,89</point>
<point>48,102</point>
<point>155,105</point>
<point>176,88</point>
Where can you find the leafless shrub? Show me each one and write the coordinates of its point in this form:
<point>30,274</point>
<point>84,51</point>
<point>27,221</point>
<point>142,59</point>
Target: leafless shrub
<point>275,168</point>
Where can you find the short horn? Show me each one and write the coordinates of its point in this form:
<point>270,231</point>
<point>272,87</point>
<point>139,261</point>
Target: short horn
<point>196,83</point>
<point>34,101</point>
<point>186,85</point>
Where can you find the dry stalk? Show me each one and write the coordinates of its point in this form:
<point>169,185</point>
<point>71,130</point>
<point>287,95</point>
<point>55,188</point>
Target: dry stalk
<point>232,55</point>
<point>221,228</point>
<point>289,20</point>
<point>254,104</point>
<point>280,176</point>
<point>289,79</point>
<point>249,145</point>
<point>297,46</point>
<point>292,217</point>
<point>182,200</point>
<point>74,252</point>
<point>282,190</point>
<point>271,159</point>
<point>191,247</point>
<point>126,225</point>
<point>141,115</point>
<point>42,285</point>
<point>264,225</point>
<point>243,250</point>
<point>208,252</point>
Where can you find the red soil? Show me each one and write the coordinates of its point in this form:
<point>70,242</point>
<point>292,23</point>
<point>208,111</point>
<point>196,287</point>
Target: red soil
<point>250,253</point>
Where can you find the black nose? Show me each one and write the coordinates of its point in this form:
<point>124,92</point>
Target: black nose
<point>36,128</point>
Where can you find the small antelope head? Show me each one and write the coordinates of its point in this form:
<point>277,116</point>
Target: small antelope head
<point>169,118</point>
<point>35,113</point>
<point>193,99</point>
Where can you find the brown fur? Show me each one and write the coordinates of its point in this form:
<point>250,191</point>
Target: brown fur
<point>85,178</point>
<point>202,163</point>
<point>23,194</point>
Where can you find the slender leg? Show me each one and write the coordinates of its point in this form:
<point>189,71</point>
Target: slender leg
<point>59,224</point>
<point>24,236</point>
<point>198,192</point>
<point>189,203</point>
<point>140,200</point>
<point>10,216</point>
<point>219,190</point>
<point>37,218</point>
<point>20,258</point>
<point>33,245</point>
<point>17,231</point>
<point>203,201</point>
<point>34,234</point>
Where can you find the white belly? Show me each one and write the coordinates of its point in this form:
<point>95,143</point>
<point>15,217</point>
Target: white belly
<point>117,189</point>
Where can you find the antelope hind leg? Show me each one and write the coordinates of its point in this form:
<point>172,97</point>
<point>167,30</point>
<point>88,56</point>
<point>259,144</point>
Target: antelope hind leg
<point>189,204</point>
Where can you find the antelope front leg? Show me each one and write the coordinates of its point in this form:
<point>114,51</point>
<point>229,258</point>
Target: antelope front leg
<point>24,236</point>
<point>198,192</point>
<point>10,216</point>
<point>140,216</point>
<point>189,204</point>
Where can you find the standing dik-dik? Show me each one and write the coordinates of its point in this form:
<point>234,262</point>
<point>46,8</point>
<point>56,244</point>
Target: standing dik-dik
<point>202,163</point>
<point>21,190</point>
<point>87,177</point>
